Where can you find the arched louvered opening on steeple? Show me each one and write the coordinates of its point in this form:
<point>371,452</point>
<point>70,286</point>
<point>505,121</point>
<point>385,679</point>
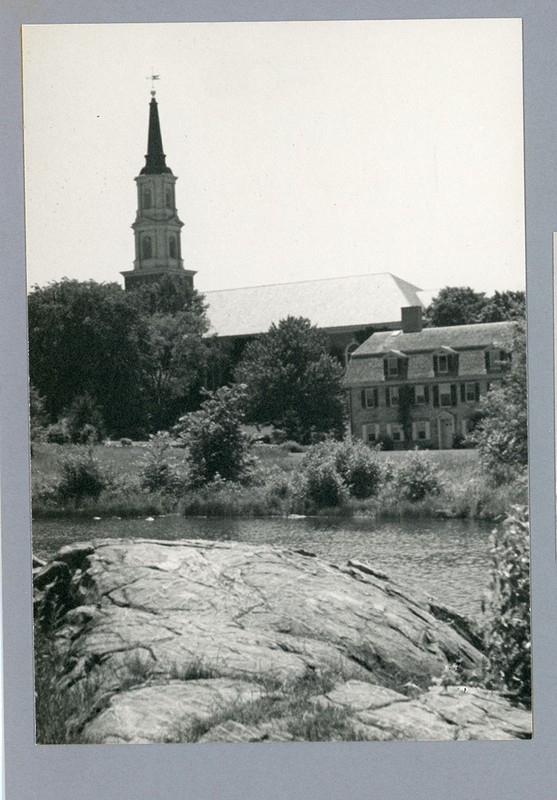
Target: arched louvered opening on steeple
<point>146,247</point>
<point>172,251</point>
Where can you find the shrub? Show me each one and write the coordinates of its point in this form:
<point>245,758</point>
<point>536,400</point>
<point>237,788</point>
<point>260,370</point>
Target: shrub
<point>325,487</point>
<point>82,476</point>
<point>358,467</point>
<point>213,436</point>
<point>157,473</point>
<point>416,478</point>
<point>58,432</point>
<point>507,627</point>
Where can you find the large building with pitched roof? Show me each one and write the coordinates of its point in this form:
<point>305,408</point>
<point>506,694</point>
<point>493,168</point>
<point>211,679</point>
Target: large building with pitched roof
<point>416,387</point>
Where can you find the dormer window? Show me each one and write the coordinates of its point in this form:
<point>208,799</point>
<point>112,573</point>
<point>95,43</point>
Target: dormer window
<point>445,361</point>
<point>497,360</point>
<point>443,365</point>
<point>392,367</point>
<point>394,364</point>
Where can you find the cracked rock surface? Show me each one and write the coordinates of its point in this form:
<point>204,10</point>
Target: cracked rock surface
<point>203,641</point>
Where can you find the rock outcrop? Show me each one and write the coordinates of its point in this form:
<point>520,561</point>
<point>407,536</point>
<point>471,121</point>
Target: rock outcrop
<point>227,641</point>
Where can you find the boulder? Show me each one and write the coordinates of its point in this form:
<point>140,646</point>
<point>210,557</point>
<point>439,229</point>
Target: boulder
<point>198,640</point>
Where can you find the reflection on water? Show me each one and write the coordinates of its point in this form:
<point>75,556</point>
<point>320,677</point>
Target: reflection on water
<point>447,559</point>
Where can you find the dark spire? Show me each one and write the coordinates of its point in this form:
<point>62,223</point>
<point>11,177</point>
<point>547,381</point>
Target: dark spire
<point>155,160</point>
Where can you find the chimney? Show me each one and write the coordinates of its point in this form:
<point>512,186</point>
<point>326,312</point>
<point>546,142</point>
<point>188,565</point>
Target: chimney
<point>411,319</point>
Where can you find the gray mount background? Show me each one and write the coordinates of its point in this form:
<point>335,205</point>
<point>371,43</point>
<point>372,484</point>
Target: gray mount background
<point>385,771</point>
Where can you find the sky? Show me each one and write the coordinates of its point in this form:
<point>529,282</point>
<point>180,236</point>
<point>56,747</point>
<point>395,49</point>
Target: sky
<point>303,149</point>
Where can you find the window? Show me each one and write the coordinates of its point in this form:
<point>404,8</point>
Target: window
<point>147,201</point>
<point>419,395</point>
<point>442,365</point>
<point>395,431</point>
<point>497,360</point>
<point>391,395</point>
<point>470,392</point>
<point>371,399</point>
<point>421,431</point>
<point>370,432</point>
<point>146,247</point>
<point>172,247</point>
<point>445,394</point>
<point>392,367</point>
<point>168,198</point>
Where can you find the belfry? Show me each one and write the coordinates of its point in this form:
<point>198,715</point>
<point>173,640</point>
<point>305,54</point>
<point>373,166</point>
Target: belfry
<point>157,227</point>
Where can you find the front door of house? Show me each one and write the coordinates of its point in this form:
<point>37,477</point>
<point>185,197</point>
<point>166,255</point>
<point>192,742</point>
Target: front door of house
<point>445,427</point>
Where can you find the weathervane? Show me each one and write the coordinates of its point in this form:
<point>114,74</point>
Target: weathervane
<point>153,78</point>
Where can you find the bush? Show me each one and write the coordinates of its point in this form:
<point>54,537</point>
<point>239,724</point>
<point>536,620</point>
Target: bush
<point>58,433</point>
<point>358,467</point>
<point>416,478</point>
<point>157,473</point>
<point>507,627</point>
<point>325,487</point>
<point>213,436</point>
<point>82,476</point>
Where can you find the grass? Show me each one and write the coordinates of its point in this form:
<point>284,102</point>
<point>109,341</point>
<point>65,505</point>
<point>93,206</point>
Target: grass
<point>275,490</point>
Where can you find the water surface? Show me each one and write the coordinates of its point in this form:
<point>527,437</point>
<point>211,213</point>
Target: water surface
<point>446,559</point>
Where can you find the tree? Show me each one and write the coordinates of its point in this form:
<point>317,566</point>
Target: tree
<point>168,295</point>
<point>461,305</point>
<point>502,433</point>
<point>173,364</point>
<point>292,382</point>
<point>455,305</point>
<point>87,338</point>
<point>504,306</point>
<point>216,445</point>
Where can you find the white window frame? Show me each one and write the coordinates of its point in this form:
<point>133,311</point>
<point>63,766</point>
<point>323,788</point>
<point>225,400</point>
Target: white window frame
<point>446,362</point>
<point>467,387</point>
<point>392,373</point>
<point>368,429</point>
<point>395,431</point>
<point>443,394</point>
<point>370,402</point>
<point>419,398</point>
<point>416,426</point>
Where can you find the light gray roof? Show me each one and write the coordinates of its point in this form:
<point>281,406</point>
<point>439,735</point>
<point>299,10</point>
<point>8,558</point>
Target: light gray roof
<point>357,301</point>
<point>456,337</point>
<point>470,341</point>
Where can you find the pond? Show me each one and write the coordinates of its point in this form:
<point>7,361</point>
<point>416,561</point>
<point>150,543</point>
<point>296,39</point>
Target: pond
<point>446,559</point>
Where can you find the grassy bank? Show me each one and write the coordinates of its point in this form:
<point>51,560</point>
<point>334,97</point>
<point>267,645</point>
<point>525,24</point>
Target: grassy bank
<point>276,488</point>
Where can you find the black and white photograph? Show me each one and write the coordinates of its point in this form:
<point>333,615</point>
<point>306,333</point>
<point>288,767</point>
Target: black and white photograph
<point>277,381</point>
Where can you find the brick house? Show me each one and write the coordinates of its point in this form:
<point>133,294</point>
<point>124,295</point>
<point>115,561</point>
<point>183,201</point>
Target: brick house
<point>421,387</point>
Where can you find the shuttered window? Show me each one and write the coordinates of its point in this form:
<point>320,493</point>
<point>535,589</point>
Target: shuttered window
<point>448,395</point>
<point>391,395</point>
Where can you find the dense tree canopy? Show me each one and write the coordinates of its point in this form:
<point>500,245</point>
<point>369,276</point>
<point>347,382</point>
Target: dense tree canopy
<point>502,433</point>
<point>135,355</point>
<point>292,382</point>
<point>87,338</point>
<point>173,365</point>
<point>461,305</point>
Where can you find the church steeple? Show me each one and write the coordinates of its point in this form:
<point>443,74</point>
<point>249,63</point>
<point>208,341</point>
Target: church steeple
<point>157,227</point>
<point>155,160</point>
